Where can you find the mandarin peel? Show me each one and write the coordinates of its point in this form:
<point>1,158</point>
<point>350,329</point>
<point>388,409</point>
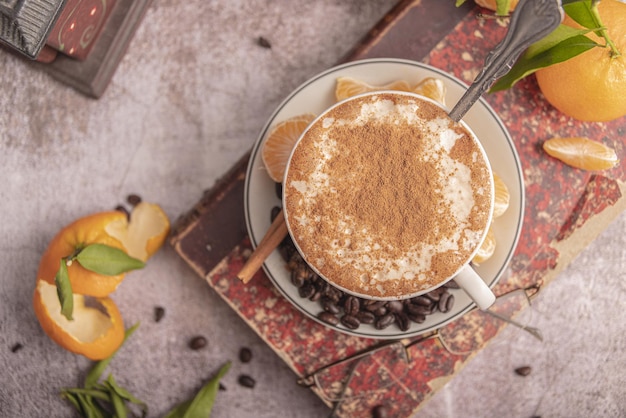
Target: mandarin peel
<point>95,332</point>
<point>144,234</point>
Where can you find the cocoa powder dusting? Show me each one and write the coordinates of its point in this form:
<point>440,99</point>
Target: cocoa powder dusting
<point>379,197</point>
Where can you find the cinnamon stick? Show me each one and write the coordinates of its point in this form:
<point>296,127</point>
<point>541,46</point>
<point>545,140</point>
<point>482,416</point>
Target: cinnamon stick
<point>274,235</point>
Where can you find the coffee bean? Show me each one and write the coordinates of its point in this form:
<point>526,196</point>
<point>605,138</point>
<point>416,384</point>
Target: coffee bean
<point>263,42</point>
<point>246,381</point>
<point>421,300</point>
<point>452,285</point>
<point>450,302</point>
<point>317,295</point>
<point>374,305</point>
<point>245,355</point>
<point>16,347</point>
<point>402,320</point>
<point>328,318</point>
<point>523,371</point>
<point>222,387</point>
<point>442,305</point>
<point>380,411</point>
<point>351,305</point>
<point>417,318</point>
<point>197,343</point>
<point>306,290</point>
<point>330,306</point>
<point>297,279</point>
<point>159,313</point>
<point>365,317</point>
<point>133,199</point>
<point>384,321</point>
<point>122,209</point>
<point>433,295</point>
<point>418,309</point>
<point>395,306</point>
<point>350,321</point>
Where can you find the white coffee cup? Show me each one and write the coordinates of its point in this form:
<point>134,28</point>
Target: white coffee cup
<point>353,144</point>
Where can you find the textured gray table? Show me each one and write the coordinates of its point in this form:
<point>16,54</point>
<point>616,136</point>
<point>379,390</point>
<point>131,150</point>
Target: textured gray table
<point>187,101</point>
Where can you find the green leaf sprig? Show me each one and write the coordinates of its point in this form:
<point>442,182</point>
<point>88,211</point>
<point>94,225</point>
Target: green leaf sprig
<point>107,398</point>
<point>201,404</point>
<point>99,258</point>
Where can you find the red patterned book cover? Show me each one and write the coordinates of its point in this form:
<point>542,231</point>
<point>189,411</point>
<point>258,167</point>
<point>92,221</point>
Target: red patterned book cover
<point>565,209</point>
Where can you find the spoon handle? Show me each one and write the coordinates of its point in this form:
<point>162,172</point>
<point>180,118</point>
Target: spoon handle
<point>531,21</point>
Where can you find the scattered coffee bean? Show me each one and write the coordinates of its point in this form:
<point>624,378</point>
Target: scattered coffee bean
<point>197,343</point>
<point>306,290</point>
<point>384,321</point>
<point>330,306</point>
<point>452,285</point>
<point>365,317</point>
<point>122,209</point>
<point>264,42</point>
<point>328,318</point>
<point>444,304</point>
<point>246,381</point>
<point>350,321</point>
<point>351,305</point>
<point>380,411</point>
<point>402,320</point>
<point>16,347</point>
<point>245,355</point>
<point>523,371</point>
<point>222,387</point>
<point>133,199</point>
<point>395,306</point>
<point>159,313</point>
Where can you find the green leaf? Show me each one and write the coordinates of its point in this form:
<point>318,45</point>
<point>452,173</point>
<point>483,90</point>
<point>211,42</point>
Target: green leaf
<point>64,290</point>
<point>202,404</point>
<point>582,12</point>
<point>96,371</point>
<point>125,395</point>
<point>543,55</point>
<point>110,261</point>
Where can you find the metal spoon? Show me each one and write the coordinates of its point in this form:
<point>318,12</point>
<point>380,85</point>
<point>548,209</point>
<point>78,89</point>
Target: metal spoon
<point>531,21</point>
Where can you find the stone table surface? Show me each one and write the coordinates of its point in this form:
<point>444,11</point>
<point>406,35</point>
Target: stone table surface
<point>187,101</point>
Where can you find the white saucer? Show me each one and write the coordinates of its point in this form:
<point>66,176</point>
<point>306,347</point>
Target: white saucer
<point>316,95</point>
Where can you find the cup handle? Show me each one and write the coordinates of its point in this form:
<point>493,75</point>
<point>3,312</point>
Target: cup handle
<point>475,287</point>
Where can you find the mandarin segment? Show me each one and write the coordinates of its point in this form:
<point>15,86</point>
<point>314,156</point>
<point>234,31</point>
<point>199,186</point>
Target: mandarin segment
<point>433,88</point>
<point>501,196</point>
<point>95,332</point>
<point>581,153</point>
<point>487,248</point>
<point>84,231</point>
<point>279,143</point>
<point>348,87</point>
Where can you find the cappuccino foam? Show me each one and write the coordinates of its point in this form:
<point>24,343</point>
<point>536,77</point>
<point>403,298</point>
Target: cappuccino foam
<point>385,196</point>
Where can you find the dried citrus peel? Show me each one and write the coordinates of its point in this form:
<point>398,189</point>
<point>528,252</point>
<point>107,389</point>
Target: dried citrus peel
<point>95,332</point>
